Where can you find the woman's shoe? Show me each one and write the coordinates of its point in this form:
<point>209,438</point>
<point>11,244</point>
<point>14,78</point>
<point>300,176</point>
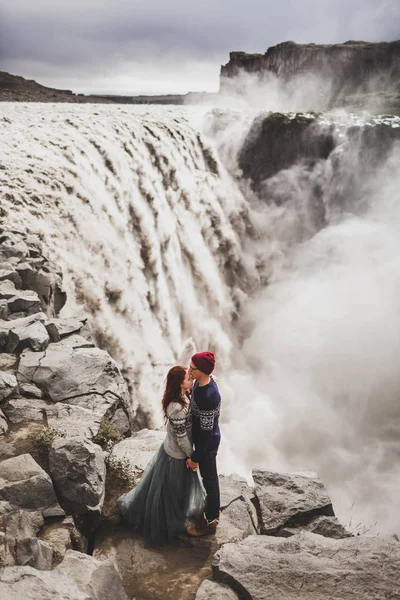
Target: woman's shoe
<point>203,528</point>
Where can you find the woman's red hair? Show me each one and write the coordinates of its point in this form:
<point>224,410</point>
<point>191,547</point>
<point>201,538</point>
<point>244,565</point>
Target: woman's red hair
<point>172,392</point>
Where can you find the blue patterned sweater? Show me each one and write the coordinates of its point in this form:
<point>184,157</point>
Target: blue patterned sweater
<point>205,405</point>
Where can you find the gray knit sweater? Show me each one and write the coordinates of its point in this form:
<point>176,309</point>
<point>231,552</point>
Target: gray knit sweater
<point>178,441</point>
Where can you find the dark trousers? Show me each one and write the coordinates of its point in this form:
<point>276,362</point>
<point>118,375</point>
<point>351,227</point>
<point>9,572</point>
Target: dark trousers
<point>209,475</point>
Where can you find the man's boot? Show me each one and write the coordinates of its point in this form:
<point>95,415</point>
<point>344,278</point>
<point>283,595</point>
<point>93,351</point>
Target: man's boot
<point>203,528</point>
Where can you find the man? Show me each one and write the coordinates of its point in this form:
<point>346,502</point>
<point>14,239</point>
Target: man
<point>205,407</point>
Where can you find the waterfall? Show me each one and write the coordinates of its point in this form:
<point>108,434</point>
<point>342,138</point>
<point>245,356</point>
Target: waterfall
<point>144,221</point>
<point>168,249</point>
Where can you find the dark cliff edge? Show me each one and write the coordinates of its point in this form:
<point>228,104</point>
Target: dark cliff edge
<point>351,74</point>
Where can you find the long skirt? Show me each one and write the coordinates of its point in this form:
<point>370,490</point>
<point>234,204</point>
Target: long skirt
<point>167,494</point>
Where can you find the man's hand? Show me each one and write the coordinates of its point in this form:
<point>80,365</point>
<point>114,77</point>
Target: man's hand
<point>192,465</point>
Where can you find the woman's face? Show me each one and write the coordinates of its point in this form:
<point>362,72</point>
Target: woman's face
<point>187,382</point>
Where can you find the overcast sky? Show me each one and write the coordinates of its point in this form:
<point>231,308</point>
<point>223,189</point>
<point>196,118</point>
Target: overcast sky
<point>175,46</point>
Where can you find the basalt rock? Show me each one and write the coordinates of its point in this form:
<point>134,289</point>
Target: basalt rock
<point>25,485</point>
<point>277,141</point>
<point>310,566</point>
<point>35,281</point>
<point>79,473</point>
<point>287,500</point>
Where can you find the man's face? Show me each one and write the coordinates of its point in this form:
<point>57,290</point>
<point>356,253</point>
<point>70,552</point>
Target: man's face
<point>193,370</point>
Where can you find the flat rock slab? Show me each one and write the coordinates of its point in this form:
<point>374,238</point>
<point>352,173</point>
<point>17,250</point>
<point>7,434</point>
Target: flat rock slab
<point>171,573</point>
<point>139,449</point>
<point>289,500</point>
<point>309,566</point>
<point>24,484</point>
<point>76,421</point>
<point>211,590</point>
<point>32,336</point>
<point>67,326</point>
<point>64,372</point>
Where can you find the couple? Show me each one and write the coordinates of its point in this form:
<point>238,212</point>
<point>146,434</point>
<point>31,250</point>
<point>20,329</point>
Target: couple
<point>169,490</point>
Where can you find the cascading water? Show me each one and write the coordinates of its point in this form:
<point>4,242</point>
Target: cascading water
<point>144,221</point>
<point>162,246</point>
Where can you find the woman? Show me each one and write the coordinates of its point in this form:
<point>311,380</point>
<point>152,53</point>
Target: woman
<point>168,492</point>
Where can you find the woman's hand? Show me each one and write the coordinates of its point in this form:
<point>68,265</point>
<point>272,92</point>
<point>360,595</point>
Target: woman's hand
<point>192,465</point>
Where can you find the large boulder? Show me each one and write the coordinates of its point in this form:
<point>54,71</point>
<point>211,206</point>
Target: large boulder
<point>58,535</point>
<point>25,332</point>
<point>139,449</point>
<point>24,484</point>
<point>46,281</point>
<point>309,566</point>
<point>33,552</point>
<point>19,301</point>
<point>78,577</point>
<point>79,472</point>
<point>66,372</point>
<point>100,578</point>
<point>84,378</point>
<point>289,500</point>
<point>20,545</point>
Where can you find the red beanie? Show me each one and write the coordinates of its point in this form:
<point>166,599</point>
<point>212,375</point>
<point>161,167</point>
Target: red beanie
<point>204,361</point>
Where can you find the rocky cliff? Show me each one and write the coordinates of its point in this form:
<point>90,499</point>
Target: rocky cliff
<point>350,71</point>
<point>14,88</point>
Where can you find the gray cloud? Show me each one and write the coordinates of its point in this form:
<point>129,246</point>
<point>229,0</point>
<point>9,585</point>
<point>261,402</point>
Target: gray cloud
<point>91,40</point>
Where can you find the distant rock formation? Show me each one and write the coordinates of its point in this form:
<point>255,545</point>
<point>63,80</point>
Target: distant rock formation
<point>349,70</point>
<point>14,88</point>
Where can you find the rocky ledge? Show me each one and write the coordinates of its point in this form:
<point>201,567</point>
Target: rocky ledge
<point>68,449</point>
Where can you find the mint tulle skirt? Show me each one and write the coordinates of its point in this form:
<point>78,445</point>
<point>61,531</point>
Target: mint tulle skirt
<point>166,496</point>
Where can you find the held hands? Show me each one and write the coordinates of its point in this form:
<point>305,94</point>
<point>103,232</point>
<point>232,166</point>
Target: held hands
<point>192,465</point>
